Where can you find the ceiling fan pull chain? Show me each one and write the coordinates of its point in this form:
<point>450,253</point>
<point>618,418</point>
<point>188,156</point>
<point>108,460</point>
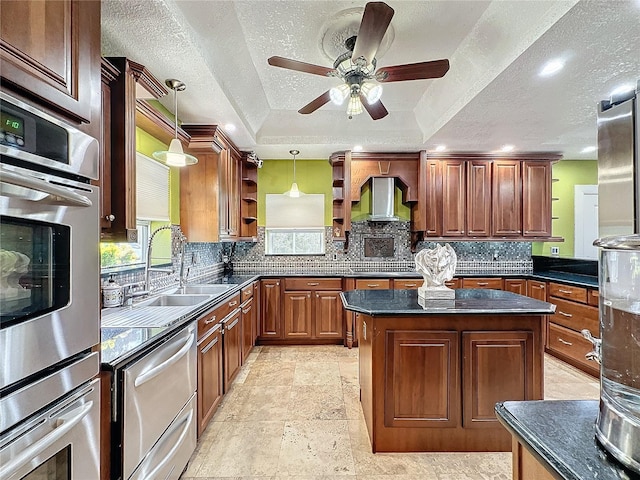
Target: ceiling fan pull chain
<point>386,172</point>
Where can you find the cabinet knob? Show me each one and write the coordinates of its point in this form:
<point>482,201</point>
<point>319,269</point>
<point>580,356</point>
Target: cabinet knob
<point>110,217</point>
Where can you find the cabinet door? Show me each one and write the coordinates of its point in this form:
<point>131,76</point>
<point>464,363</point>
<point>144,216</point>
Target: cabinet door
<point>52,51</point>
<point>270,321</point>
<point>108,74</point>
<point>536,199</point>
<point>479,198</point>
<point>433,207</point>
<point>232,347</point>
<point>248,322</point>
<point>297,314</point>
<point>497,366</point>
<point>506,199</point>
<point>234,195</point>
<point>327,315</point>
<point>422,379</point>
<point>256,311</point>
<point>224,162</point>
<point>537,290</point>
<point>453,198</point>
<point>514,285</point>
<point>209,378</point>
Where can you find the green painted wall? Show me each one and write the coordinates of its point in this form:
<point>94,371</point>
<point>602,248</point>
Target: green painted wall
<point>568,173</point>
<point>147,144</point>
<point>312,176</point>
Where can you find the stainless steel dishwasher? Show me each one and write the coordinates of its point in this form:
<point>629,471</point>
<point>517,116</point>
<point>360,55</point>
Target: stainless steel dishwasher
<point>156,413</point>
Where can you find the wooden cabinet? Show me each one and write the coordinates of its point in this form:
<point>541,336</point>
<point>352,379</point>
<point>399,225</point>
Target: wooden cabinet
<point>454,283</point>
<point>536,199</point>
<point>515,285</point>
<point>249,199</point>
<point>229,193</point>
<point>526,466</point>
<point>478,198</point>
<point>210,373</point>
<point>109,74</point>
<point>327,315</point>
<point>50,51</point>
<point>490,282</point>
<point>491,355</point>
<point>573,314</point>
<point>297,315</point>
<point>454,191</point>
<point>537,289</point>
<point>232,346</point>
<point>270,308</point>
<point>373,283</point>
<point>257,308</point>
<point>248,327</point>
<point>432,211</point>
<point>506,199</point>
<point>341,184</point>
<point>407,284</point>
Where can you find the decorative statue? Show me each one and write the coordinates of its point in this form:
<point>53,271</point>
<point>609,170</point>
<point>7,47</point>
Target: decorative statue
<point>436,265</point>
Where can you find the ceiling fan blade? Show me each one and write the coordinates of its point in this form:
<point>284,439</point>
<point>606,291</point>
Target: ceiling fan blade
<point>413,71</point>
<point>377,110</point>
<point>299,66</point>
<point>316,103</point>
<point>375,20</point>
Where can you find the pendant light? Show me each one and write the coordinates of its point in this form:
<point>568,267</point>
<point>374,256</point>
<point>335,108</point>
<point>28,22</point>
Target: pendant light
<point>294,192</point>
<point>175,156</point>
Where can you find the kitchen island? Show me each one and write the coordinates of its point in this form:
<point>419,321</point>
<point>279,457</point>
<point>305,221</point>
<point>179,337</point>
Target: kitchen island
<point>431,374</point>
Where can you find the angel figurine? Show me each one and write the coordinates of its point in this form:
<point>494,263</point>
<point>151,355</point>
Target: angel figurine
<point>436,265</point>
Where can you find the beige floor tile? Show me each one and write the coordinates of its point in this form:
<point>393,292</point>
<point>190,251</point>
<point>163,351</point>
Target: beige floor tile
<point>271,373</point>
<point>241,449</point>
<point>571,391</point>
<point>349,372</point>
<point>316,447</point>
<point>316,402</point>
<point>351,396</point>
<point>317,373</point>
<point>253,403</point>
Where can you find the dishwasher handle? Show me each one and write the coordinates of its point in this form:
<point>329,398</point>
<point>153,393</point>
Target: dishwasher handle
<point>155,371</point>
<point>169,456</point>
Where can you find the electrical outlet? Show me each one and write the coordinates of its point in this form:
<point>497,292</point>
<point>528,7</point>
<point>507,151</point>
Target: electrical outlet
<point>335,256</point>
<point>555,250</point>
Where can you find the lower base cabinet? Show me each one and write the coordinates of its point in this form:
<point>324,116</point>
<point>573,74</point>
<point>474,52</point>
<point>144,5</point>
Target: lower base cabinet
<point>209,376</point>
<point>232,346</point>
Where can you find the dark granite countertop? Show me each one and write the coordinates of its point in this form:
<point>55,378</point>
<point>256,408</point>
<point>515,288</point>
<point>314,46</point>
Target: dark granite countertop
<point>561,435</point>
<point>467,301</point>
<point>574,279</point>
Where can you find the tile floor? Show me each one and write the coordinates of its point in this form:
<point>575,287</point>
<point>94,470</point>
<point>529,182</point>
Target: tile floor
<point>294,412</point>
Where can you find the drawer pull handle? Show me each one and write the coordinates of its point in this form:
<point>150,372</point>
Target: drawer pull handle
<point>482,284</point>
<point>233,324</point>
<point>246,311</point>
<point>210,320</point>
<point>371,285</point>
<point>210,346</point>
<point>568,292</point>
<point>233,304</point>
<point>313,284</point>
<point>410,284</point>
<point>539,287</point>
<point>565,314</point>
<point>564,341</point>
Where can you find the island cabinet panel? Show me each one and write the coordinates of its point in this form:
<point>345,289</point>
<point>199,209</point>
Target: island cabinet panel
<point>479,198</point>
<point>453,198</point>
<point>270,311</point>
<point>515,285</point>
<point>422,379</point>
<point>488,356</point>
<point>328,322</point>
<point>536,199</point>
<point>297,315</point>
<point>506,199</point>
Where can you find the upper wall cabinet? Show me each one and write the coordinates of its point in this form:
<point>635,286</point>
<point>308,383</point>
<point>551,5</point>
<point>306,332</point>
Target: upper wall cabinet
<point>124,106</point>
<point>218,195</point>
<point>50,52</point>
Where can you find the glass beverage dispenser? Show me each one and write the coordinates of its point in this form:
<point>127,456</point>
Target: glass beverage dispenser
<point>618,424</point>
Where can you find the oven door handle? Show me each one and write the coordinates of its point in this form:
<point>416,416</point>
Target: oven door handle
<point>168,456</point>
<point>70,197</point>
<point>145,377</point>
<point>64,423</point>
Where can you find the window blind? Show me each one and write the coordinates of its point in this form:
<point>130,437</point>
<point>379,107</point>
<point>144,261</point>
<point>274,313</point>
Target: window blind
<point>302,212</point>
<point>152,189</point>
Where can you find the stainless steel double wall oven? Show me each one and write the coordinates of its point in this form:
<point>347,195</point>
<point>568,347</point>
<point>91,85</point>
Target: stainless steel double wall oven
<point>49,297</point>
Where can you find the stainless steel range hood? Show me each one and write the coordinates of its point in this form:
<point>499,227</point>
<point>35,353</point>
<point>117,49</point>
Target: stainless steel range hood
<point>382,199</point>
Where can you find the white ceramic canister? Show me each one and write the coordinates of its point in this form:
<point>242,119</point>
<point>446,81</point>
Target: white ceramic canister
<point>111,294</point>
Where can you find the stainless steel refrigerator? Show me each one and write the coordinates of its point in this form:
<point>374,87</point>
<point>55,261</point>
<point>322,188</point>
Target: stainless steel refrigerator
<point>619,164</point>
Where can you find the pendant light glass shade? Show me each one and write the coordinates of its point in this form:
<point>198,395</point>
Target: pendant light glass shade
<point>371,92</point>
<point>294,191</point>
<point>175,156</point>
<point>355,106</point>
<point>339,94</point>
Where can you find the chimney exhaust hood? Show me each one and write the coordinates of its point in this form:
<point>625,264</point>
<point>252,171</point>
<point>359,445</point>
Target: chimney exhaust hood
<point>382,199</point>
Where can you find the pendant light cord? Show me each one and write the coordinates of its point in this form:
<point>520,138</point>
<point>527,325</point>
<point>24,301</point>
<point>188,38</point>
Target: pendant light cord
<point>175,109</point>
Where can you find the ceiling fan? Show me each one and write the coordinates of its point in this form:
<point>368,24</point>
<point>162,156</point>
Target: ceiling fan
<point>357,68</point>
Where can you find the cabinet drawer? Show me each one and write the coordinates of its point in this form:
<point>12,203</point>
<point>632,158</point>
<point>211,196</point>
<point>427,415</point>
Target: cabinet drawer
<point>575,315</point>
<point>578,294</point>
<point>373,284</point>
<point>494,283</point>
<point>407,284</point>
<point>453,283</point>
<point>313,283</point>
<point>217,314</point>
<point>593,297</point>
<point>207,322</point>
<point>247,293</point>
<point>572,345</point>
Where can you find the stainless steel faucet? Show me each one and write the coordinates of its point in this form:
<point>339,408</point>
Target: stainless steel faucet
<point>177,232</point>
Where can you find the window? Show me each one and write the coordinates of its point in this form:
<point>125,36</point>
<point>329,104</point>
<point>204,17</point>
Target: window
<point>126,254</point>
<point>294,226</point>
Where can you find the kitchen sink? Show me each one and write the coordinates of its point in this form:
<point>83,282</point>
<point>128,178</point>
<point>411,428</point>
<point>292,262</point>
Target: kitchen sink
<point>213,289</point>
<point>176,300</point>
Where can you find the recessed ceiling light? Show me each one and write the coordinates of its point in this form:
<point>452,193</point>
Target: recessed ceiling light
<point>441,148</point>
<point>357,148</point>
<point>589,149</point>
<point>551,67</point>
<point>627,87</point>
<point>507,148</point>
<point>230,127</point>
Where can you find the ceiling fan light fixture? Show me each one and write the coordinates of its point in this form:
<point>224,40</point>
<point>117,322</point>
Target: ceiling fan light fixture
<point>175,156</point>
<point>355,106</point>
<point>372,92</point>
<point>339,94</point>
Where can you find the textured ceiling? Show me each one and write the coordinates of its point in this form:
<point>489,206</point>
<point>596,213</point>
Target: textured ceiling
<point>491,96</point>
